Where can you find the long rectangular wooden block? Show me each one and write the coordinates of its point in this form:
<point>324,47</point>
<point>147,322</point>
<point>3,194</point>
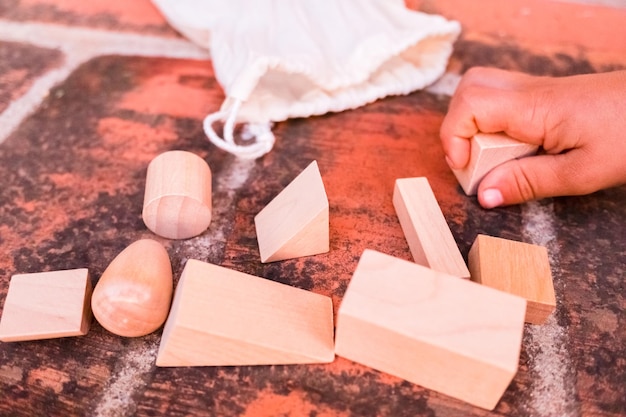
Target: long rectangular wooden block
<point>518,268</point>
<point>450,335</point>
<point>427,233</point>
<point>47,305</point>
<point>224,317</point>
<point>488,150</point>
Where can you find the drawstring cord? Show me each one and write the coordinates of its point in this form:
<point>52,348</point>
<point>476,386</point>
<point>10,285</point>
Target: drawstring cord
<point>228,114</point>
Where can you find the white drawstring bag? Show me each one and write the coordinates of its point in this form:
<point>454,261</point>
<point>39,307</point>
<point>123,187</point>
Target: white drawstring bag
<point>278,59</point>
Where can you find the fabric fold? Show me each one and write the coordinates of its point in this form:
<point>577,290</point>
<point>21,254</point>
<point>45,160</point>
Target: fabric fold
<point>277,60</point>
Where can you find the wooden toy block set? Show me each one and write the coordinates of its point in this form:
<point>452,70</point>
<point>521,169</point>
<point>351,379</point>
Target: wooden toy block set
<point>437,322</point>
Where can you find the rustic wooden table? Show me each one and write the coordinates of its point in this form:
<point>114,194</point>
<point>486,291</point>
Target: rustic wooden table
<point>73,175</point>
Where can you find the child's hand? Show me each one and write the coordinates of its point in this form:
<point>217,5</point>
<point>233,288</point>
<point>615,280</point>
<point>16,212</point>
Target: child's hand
<point>580,122</point>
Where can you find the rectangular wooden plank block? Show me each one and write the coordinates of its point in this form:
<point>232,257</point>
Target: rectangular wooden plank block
<point>296,222</point>
<point>488,150</point>
<point>47,305</point>
<point>518,268</point>
<point>446,334</point>
<point>224,317</point>
<point>425,227</point>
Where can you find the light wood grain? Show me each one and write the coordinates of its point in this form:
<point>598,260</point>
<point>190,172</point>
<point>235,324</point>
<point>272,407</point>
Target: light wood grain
<point>132,297</point>
<point>488,150</point>
<point>47,305</point>
<point>177,201</point>
<point>518,268</point>
<point>430,328</point>
<point>295,223</point>
<point>425,227</point>
<point>224,317</point>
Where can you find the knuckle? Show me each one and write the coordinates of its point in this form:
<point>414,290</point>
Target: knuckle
<point>467,96</point>
<point>539,113</point>
<point>471,77</point>
<point>474,71</point>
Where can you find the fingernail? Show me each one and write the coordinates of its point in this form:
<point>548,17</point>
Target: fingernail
<point>450,163</point>
<point>492,198</point>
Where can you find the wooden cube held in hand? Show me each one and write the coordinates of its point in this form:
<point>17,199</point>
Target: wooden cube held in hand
<point>487,151</point>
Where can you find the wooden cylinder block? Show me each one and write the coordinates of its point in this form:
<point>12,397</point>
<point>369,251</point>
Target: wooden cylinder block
<point>177,201</point>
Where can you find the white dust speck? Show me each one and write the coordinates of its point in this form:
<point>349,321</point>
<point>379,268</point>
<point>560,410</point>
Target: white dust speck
<point>211,243</point>
<point>136,364</point>
<point>78,45</point>
<point>130,375</point>
<point>553,390</point>
<point>237,175</point>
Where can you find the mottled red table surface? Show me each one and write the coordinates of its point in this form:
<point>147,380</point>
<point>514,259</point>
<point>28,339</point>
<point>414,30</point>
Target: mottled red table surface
<point>72,176</point>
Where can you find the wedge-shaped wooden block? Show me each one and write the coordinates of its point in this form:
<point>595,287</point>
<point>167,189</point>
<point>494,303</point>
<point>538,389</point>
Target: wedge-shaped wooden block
<point>47,305</point>
<point>518,268</point>
<point>488,150</point>
<point>295,222</point>
<point>224,317</point>
<point>430,328</point>
<point>427,233</point>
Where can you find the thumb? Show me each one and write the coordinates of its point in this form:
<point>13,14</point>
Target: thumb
<point>531,178</point>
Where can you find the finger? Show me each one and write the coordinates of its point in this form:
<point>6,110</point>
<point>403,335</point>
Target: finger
<point>455,138</point>
<point>456,130</point>
<point>533,178</point>
<point>490,100</point>
<point>473,109</point>
<point>519,114</point>
<point>494,78</point>
<point>457,150</point>
<point>458,127</point>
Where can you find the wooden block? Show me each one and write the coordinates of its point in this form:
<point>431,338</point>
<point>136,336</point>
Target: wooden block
<point>295,222</point>
<point>488,150</point>
<point>427,233</point>
<point>444,333</point>
<point>177,202</point>
<point>224,317</point>
<point>132,297</point>
<point>47,305</point>
<point>518,268</point>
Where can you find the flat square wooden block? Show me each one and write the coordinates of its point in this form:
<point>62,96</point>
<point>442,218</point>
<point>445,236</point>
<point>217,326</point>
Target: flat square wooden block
<point>47,305</point>
<point>488,150</point>
<point>518,268</point>
<point>295,223</point>
<point>426,230</point>
<point>430,328</point>
<point>224,317</point>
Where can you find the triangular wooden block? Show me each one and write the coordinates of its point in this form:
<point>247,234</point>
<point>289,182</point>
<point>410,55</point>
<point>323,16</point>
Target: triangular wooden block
<point>444,333</point>
<point>295,222</point>
<point>224,317</point>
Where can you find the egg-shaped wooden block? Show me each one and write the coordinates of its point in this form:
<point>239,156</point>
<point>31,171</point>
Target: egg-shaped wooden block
<point>133,296</point>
